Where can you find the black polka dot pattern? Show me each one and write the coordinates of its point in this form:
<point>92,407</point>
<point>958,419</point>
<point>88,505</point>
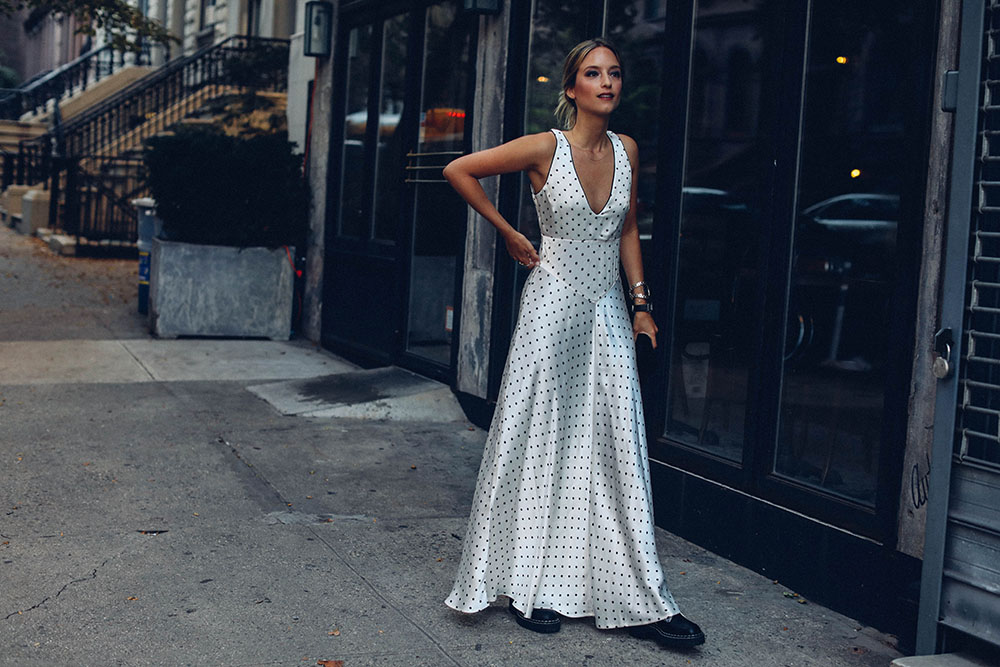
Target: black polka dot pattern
<point>562,513</point>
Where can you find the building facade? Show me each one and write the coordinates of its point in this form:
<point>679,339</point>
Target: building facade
<point>33,41</point>
<point>792,200</point>
<point>200,23</point>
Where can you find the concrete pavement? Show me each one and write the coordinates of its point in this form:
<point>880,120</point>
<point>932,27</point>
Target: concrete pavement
<point>174,503</point>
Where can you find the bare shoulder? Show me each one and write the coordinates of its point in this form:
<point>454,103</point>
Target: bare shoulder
<point>539,145</point>
<point>631,147</point>
<point>531,152</point>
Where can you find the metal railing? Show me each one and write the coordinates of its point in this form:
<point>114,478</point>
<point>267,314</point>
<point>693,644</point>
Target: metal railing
<point>98,199</point>
<point>31,165</point>
<point>36,95</point>
<point>126,119</point>
<point>85,162</point>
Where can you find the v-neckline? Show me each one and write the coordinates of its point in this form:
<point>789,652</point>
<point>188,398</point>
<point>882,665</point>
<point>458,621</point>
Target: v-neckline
<point>579,181</point>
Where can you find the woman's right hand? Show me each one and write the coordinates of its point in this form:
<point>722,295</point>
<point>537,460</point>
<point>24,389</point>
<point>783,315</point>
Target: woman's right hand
<point>521,250</point>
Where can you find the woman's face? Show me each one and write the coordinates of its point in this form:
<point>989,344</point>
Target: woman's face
<point>598,84</point>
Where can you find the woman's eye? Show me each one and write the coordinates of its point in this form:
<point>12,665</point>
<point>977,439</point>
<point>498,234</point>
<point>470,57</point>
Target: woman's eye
<point>591,73</point>
<point>616,74</point>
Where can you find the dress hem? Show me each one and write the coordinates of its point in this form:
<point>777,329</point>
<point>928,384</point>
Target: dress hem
<point>564,615</point>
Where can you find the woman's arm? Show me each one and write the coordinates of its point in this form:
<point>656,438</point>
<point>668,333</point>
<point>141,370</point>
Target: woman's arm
<point>630,251</point>
<point>532,153</point>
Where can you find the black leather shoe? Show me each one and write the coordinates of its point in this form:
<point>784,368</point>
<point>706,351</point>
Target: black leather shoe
<point>542,620</point>
<point>675,632</point>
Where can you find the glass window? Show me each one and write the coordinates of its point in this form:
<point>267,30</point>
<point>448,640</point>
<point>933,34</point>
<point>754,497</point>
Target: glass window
<point>439,213</point>
<point>353,195</point>
<point>390,156</point>
<point>844,254</point>
<point>717,321</point>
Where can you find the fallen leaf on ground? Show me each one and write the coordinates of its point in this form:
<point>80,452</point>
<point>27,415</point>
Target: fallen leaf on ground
<point>334,633</point>
<point>331,663</point>
<point>131,597</point>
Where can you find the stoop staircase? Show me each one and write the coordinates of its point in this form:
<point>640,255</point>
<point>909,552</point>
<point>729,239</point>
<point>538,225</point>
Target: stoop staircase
<point>26,111</point>
<point>91,161</point>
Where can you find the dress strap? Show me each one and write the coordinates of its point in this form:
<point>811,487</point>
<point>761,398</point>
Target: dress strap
<point>562,152</point>
<point>561,141</point>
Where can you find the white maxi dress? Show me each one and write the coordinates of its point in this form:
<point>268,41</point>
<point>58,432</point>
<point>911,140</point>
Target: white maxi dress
<point>562,513</point>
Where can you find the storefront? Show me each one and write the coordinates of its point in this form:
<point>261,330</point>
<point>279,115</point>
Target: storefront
<point>785,150</point>
<point>395,230</point>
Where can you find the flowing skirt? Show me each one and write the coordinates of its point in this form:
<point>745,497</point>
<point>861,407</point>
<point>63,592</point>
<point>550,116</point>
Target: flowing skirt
<point>562,513</point>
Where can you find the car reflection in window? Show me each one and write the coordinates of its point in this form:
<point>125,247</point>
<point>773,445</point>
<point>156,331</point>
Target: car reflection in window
<point>844,269</point>
<point>851,233</point>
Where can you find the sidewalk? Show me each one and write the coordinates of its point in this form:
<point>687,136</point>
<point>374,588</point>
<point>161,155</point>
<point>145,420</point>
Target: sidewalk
<point>156,511</point>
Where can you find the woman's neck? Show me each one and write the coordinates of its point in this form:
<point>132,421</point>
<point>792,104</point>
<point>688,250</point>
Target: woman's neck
<point>589,132</point>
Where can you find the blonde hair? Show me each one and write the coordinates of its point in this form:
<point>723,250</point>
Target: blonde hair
<point>565,107</point>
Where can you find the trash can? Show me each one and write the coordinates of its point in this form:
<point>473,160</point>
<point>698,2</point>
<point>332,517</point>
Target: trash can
<point>149,228</point>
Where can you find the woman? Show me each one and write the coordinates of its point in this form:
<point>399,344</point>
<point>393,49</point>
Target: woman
<point>562,515</point>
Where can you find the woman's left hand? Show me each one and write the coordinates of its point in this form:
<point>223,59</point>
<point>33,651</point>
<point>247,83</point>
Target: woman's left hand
<point>643,323</point>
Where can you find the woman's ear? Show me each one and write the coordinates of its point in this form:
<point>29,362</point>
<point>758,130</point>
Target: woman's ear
<point>570,94</point>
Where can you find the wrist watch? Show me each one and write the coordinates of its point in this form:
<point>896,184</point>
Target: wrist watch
<point>642,308</point>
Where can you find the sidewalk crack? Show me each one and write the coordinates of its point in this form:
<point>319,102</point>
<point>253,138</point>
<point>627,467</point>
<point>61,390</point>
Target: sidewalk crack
<point>138,361</point>
<point>386,601</point>
<point>92,576</point>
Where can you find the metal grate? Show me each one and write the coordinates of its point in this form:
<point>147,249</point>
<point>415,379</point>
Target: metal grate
<point>979,407</point>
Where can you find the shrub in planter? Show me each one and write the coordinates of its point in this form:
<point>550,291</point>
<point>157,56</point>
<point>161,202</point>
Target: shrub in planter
<point>212,188</point>
<point>215,190</point>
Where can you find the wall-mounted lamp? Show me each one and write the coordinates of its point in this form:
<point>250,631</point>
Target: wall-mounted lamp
<point>482,6</point>
<point>319,20</point>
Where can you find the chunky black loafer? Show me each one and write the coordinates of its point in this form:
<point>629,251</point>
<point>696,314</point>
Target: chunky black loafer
<point>542,620</point>
<point>675,632</point>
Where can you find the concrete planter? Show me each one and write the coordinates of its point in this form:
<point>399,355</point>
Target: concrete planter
<point>204,290</point>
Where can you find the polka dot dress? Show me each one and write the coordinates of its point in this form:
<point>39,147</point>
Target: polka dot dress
<point>562,513</point>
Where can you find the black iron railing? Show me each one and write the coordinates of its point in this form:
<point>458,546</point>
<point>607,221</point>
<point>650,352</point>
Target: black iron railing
<point>126,119</point>
<point>98,199</point>
<point>34,96</point>
<point>31,165</point>
<point>85,160</point>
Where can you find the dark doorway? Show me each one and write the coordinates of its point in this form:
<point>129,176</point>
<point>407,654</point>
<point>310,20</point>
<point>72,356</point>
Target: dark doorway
<point>396,230</point>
